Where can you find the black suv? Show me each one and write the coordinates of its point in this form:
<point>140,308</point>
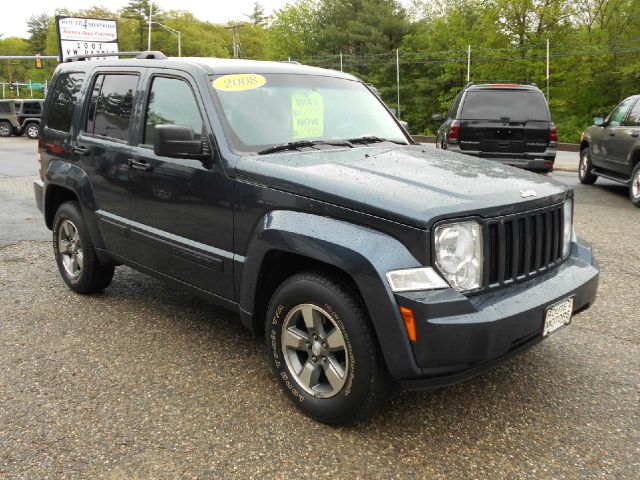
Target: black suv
<point>291,195</point>
<point>20,116</point>
<point>610,148</point>
<point>505,122</point>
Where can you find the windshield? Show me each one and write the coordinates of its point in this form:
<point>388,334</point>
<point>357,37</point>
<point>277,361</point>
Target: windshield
<point>262,111</point>
<point>515,105</point>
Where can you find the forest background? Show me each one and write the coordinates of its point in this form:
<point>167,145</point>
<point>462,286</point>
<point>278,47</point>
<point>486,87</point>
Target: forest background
<point>594,46</point>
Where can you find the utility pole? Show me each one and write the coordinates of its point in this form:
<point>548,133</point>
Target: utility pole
<point>468,63</point>
<point>150,15</point>
<point>236,41</point>
<point>398,79</point>
<point>547,70</point>
<point>340,60</point>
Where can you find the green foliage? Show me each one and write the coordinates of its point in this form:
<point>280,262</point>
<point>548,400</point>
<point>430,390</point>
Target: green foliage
<point>594,52</point>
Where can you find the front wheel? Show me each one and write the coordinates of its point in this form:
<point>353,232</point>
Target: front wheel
<point>585,169</point>
<point>77,261</point>
<point>634,188</point>
<point>324,351</point>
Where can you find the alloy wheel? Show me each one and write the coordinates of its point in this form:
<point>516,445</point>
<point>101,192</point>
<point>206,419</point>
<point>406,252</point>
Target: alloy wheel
<point>70,248</point>
<point>635,184</point>
<point>583,165</point>
<point>315,350</point>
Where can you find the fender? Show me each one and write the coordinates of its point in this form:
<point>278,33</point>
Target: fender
<point>364,254</point>
<point>73,178</point>
<point>30,120</point>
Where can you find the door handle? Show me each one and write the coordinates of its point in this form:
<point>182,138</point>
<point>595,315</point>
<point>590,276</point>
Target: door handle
<point>78,150</point>
<point>612,134</point>
<point>635,133</point>
<point>139,165</point>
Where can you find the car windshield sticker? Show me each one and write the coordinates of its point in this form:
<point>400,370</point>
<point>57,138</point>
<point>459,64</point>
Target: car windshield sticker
<point>307,114</point>
<point>239,82</point>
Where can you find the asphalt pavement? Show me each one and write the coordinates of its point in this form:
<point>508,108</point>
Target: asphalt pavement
<point>144,381</point>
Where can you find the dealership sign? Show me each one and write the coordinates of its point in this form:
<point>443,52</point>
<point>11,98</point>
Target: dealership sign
<point>86,36</point>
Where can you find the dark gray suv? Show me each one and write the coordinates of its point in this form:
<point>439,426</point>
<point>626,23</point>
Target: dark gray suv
<point>610,148</point>
<point>505,122</point>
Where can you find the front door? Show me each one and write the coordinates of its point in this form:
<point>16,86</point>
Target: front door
<point>182,209</point>
<point>612,137</point>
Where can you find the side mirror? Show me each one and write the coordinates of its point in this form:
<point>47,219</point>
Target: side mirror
<point>598,121</point>
<point>177,141</point>
<point>437,118</point>
<point>404,124</point>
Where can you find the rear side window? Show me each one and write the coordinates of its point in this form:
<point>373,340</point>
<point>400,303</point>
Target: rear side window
<point>506,105</point>
<point>64,99</point>
<point>31,108</point>
<point>111,105</point>
<point>5,107</point>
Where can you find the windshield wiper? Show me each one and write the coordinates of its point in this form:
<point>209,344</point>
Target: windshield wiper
<point>374,139</point>
<point>304,144</point>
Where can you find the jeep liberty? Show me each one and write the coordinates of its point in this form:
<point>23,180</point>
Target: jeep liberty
<point>291,195</point>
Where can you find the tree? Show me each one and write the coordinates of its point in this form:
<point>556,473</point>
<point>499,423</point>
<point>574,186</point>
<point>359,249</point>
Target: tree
<point>38,26</point>
<point>257,17</point>
<point>138,11</point>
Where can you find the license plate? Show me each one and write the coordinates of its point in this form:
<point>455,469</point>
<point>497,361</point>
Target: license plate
<point>557,316</point>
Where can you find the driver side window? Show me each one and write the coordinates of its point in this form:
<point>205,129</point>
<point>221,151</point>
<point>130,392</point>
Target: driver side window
<point>617,116</point>
<point>171,101</point>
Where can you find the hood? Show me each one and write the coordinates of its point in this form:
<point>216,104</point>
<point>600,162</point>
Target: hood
<point>413,184</point>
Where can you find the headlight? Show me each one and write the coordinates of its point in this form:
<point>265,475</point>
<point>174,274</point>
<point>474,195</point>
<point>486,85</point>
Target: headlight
<point>567,228</point>
<point>458,254</point>
<point>414,279</point>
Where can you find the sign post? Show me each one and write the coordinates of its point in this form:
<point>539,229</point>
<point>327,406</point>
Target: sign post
<point>86,36</point>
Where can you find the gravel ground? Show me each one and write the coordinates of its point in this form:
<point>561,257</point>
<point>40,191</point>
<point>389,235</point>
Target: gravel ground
<point>144,381</point>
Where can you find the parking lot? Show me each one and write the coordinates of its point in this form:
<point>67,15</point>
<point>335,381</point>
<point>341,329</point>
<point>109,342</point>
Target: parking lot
<point>145,381</point>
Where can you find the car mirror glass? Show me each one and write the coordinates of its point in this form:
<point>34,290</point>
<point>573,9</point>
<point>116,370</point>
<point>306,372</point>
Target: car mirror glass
<point>598,121</point>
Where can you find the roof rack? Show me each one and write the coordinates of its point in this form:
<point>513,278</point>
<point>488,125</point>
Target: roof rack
<point>499,82</point>
<point>292,62</point>
<point>149,55</point>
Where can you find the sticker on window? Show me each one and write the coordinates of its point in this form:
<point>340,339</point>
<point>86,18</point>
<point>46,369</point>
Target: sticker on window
<point>239,82</point>
<point>307,113</point>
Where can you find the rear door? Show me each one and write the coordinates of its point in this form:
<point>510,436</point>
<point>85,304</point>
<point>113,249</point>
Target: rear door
<point>181,208</point>
<point>504,121</point>
<point>103,147</point>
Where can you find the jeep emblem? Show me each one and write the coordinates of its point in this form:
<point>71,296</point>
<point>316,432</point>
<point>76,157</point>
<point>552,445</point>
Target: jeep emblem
<point>527,193</point>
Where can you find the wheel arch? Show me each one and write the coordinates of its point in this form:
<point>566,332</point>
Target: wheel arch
<point>584,144</point>
<point>68,182</point>
<point>287,242</point>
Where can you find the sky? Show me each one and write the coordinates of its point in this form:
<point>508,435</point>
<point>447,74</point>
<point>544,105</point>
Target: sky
<point>13,21</point>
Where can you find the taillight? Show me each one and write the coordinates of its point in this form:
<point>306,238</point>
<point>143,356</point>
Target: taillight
<point>40,143</point>
<point>553,135</point>
<point>454,133</point>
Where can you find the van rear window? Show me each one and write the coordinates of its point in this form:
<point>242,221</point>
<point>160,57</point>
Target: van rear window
<point>514,105</point>
<point>64,99</point>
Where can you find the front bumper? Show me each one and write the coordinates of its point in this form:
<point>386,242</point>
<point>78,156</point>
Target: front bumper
<point>459,337</point>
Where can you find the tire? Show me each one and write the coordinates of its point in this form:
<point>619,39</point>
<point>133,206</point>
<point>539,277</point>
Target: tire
<point>585,168</point>
<point>6,129</point>
<point>77,261</point>
<point>634,187</point>
<point>310,372</point>
<point>32,131</point>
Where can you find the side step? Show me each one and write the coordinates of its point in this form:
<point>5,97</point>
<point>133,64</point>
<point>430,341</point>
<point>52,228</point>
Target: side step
<point>612,176</point>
